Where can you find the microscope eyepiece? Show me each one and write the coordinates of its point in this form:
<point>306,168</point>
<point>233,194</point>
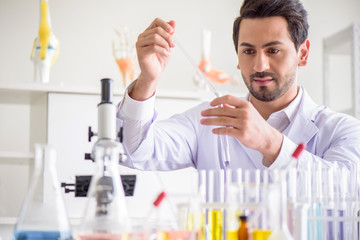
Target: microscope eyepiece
<point>106,90</point>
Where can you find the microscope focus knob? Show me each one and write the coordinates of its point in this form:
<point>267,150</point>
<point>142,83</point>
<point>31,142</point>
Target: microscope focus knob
<point>88,157</point>
<point>121,134</point>
<point>90,134</point>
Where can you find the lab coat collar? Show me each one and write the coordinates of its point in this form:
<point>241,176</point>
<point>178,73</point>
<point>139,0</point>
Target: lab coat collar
<point>303,128</point>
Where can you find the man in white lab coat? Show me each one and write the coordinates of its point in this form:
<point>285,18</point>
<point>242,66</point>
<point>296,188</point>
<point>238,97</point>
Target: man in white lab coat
<point>264,127</point>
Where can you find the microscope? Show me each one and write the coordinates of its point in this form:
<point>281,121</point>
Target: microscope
<point>107,138</point>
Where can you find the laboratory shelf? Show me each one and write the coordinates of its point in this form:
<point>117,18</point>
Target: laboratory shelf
<point>16,155</point>
<point>7,220</point>
<point>345,43</point>
<point>35,88</point>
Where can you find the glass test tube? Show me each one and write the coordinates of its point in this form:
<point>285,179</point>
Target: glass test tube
<point>316,207</point>
<point>307,193</point>
<point>202,191</point>
<point>261,229</point>
<point>291,198</point>
<point>232,216</point>
<point>215,215</point>
<point>342,206</point>
<point>329,204</point>
<point>282,231</point>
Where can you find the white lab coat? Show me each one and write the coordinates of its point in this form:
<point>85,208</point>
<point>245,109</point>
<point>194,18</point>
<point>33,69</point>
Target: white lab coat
<point>181,141</point>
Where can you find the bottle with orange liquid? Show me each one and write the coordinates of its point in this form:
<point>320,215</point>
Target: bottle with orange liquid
<point>243,233</point>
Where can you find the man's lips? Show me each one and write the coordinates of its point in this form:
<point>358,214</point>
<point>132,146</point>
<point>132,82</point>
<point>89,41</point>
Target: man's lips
<point>262,81</point>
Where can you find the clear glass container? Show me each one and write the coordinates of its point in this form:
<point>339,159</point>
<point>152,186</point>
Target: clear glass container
<point>281,232</point>
<point>105,215</point>
<point>43,215</point>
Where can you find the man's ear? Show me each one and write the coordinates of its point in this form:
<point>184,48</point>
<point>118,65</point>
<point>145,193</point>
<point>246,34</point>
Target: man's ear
<point>303,53</point>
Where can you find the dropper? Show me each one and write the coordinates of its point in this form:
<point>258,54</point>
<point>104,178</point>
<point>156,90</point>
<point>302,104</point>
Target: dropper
<point>224,140</point>
<point>198,71</point>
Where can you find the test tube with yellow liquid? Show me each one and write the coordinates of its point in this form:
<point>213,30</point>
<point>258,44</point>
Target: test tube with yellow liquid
<point>202,193</point>
<point>215,194</point>
<point>196,218</point>
<point>232,212</point>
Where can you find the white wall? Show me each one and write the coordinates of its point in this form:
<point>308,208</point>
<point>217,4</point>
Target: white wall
<point>326,17</point>
<point>84,28</point>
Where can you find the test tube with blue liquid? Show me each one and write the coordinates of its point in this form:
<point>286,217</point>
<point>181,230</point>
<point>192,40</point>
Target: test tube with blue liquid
<point>316,208</point>
<point>329,203</point>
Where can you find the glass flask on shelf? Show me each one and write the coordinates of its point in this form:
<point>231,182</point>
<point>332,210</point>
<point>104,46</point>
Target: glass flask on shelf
<point>43,215</point>
<point>105,216</point>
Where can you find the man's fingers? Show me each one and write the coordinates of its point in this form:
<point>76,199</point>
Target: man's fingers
<point>156,36</point>
<point>224,111</point>
<point>221,121</point>
<point>172,23</point>
<point>156,49</point>
<point>153,39</point>
<point>167,26</point>
<point>229,100</point>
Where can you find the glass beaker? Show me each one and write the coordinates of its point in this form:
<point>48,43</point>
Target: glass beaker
<point>43,215</point>
<point>105,214</point>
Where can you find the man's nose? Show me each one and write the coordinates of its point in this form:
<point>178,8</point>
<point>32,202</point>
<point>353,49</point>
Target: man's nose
<point>261,63</point>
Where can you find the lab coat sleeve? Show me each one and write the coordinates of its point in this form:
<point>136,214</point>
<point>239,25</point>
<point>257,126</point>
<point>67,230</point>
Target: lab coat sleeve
<point>287,148</point>
<point>169,144</point>
<point>336,144</point>
<point>135,117</point>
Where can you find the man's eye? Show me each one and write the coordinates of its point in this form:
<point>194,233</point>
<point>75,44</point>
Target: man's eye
<point>248,51</point>
<point>274,50</point>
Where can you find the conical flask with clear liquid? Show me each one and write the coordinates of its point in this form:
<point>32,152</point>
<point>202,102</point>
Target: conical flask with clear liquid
<point>105,215</point>
<point>43,215</point>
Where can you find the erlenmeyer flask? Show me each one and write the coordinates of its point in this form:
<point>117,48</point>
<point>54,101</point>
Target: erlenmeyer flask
<point>43,216</point>
<point>106,214</point>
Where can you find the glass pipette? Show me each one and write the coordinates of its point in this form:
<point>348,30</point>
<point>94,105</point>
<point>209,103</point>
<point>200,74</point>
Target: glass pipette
<point>224,140</point>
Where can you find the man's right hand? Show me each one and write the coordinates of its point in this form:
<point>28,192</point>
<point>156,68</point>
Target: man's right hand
<point>153,50</point>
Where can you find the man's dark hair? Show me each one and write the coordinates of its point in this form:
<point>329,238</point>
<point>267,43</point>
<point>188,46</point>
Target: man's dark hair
<point>292,10</point>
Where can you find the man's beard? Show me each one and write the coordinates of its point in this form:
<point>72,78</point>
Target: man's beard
<point>266,95</point>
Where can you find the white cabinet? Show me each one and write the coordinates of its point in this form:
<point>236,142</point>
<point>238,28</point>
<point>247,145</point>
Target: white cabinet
<point>69,116</point>
<point>341,70</point>
<point>60,115</point>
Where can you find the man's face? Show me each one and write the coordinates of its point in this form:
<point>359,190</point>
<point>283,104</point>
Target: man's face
<point>267,57</point>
